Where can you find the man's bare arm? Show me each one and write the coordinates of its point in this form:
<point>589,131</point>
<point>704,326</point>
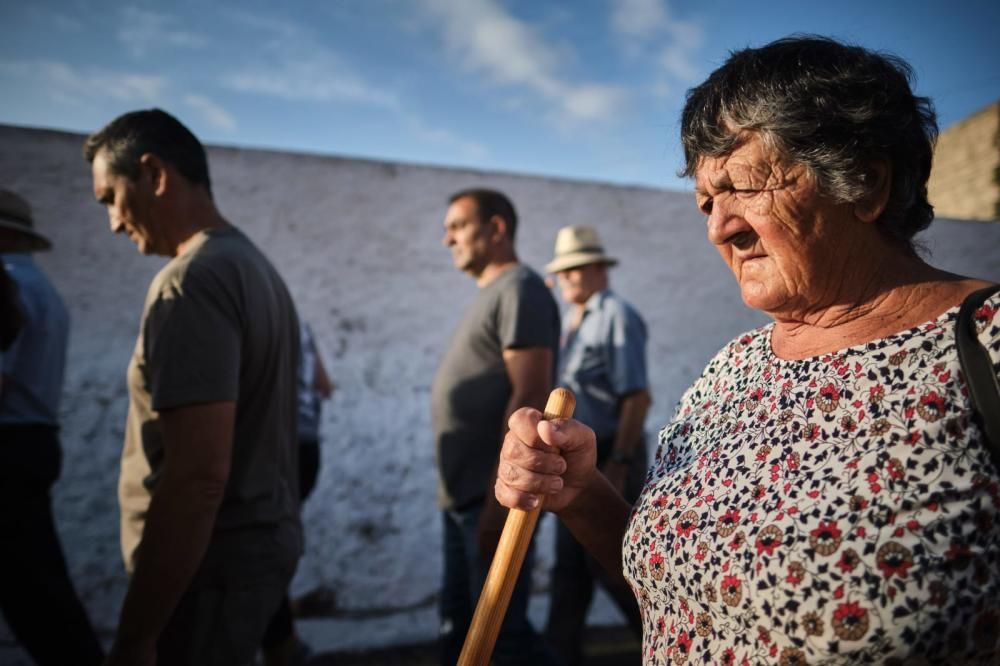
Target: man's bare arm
<point>530,373</point>
<point>322,383</point>
<point>631,421</point>
<point>197,442</point>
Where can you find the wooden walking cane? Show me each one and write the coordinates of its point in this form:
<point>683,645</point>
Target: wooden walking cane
<point>507,561</point>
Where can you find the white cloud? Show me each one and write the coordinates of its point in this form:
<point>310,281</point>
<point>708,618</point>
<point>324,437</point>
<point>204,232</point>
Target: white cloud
<point>648,24</point>
<point>593,102</point>
<point>639,18</point>
<point>486,38</point>
<point>67,83</point>
<point>297,67</point>
<point>141,29</point>
<point>212,113</point>
<point>321,77</point>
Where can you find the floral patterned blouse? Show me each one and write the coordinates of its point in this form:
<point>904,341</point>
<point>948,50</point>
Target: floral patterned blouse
<point>842,509</point>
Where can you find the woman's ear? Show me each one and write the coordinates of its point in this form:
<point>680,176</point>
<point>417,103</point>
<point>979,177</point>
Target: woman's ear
<point>879,181</point>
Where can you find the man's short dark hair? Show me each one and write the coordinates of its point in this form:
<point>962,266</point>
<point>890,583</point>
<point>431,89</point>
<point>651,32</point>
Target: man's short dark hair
<point>490,203</point>
<point>128,137</point>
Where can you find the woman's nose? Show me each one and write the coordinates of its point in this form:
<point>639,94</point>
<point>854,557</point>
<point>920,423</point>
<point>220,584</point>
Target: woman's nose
<point>725,221</point>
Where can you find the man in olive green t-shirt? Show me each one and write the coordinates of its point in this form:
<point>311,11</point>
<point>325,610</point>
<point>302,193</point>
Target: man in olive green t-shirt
<point>208,487</point>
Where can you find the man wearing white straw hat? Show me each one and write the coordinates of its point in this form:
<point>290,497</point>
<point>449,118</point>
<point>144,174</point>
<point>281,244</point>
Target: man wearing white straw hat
<point>603,361</point>
<point>36,595</point>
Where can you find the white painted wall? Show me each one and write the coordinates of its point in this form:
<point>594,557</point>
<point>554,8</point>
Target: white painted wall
<point>359,245</point>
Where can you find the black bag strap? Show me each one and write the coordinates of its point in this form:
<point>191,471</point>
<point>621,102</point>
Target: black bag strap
<point>978,369</point>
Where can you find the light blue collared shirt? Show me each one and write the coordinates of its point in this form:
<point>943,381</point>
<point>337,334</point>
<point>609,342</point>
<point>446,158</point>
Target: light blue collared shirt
<point>34,365</point>
<point>603,360</point>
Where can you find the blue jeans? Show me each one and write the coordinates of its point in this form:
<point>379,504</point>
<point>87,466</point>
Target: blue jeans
<point>464,575</point>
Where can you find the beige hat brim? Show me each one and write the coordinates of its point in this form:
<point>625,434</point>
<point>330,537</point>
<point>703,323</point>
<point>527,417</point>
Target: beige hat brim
<point>577,259</point>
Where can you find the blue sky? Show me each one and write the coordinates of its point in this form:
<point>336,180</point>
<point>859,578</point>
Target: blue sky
<point>589,89</point>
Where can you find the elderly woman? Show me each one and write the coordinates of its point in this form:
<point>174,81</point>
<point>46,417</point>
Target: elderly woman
<point>823,494</point>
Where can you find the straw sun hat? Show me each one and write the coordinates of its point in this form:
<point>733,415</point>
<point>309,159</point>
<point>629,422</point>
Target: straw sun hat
<point>578,245</point>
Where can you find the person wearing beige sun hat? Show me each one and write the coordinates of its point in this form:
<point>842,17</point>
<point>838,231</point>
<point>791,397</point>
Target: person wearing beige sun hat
<point>578,245</point>
<point>603,361</point>
<point>17,233</point>
<point>36,592</point>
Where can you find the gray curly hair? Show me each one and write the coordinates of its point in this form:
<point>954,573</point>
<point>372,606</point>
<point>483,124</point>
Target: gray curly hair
<point>832,107</point>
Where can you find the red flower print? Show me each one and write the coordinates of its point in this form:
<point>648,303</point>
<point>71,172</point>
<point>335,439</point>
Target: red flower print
<point>813,624</point>
<point>983,316</point>
<point>727,523</point>
<point>895,468</point>
<point>848,560</point>
<point>828,398</point>
<point>850,621</point>
<point>656,567</point>
<point>731,590</point>
<point>686,523</point>
<point>768,540</point>
<point>658,506</point>
<point>894,559</point>
<point>848,424</point>
<point>825,538</point>
<point>791,656</point>
<point>875,394</point>
<point>880,427</point>
<point>796,571</point>
<point>703,625</point>
<point>931,406</point>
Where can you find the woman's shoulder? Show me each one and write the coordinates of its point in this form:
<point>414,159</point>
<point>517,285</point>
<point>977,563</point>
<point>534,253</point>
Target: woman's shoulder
<point>735,358</point>
<point>755,343</point>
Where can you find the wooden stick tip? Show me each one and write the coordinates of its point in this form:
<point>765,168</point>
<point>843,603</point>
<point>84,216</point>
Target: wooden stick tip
<point>561,404</point>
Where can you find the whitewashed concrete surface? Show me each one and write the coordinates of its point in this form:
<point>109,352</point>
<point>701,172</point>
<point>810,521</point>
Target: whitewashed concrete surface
<point>359,243</point>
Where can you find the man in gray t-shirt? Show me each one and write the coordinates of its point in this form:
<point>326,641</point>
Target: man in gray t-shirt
<point>502,357</point>
<point>208,488</point>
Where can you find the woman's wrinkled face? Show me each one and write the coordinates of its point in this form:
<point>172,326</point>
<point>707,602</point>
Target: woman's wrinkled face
<point>786,244</point>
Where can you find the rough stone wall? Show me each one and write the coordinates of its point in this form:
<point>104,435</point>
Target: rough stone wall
<point>359,245</point>
<point>965,179</point>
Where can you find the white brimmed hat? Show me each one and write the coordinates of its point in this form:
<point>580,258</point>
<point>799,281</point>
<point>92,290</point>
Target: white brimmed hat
<point>578,245</point>
<point>16,232</point>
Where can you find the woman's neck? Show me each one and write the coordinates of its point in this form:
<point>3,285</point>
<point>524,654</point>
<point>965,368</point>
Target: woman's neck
<point>898,294</point>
